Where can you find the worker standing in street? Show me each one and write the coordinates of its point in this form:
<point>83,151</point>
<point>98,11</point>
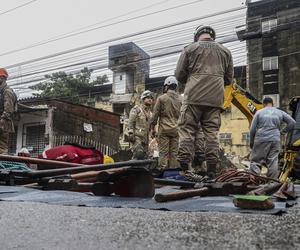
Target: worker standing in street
<point>139,126</point>
<point>166,112</point>
<point>8,100</point>
<point>265,134</point>
<point>203,67</point>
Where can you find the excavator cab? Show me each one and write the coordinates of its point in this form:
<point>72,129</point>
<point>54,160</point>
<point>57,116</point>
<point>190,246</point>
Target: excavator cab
<point>294,106</point>
<point>290,166</point>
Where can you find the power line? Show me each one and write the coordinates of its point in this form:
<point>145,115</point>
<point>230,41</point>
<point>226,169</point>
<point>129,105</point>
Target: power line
<point>104,21</point>
<point>17,7</point>
<point>170,52</point>
<point>221,24</point>
<point>167,39</point>
<point>100,27</point>
<point>118,38</point>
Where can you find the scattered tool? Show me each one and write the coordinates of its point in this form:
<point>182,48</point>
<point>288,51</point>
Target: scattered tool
<point>181,195</point>
<point>10,175</point>
<point>141,185</point>
<point>279,194</point>
<point>262,202</point>
<point>286,191</point>
<point>206,189</point>
<point>112,175</point>
<point>267,189</point>
<point>50,163</point>
<point>171,182</point>
<point>290,191</point>
<point>138,185</point>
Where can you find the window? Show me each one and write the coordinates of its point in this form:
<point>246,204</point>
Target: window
<point>225,137</point>
<point>246,136</point>
<point>270,83</point>
<point>119,83</point>
<point>228,110</point>
<point>12,142</point>
<point>34,138</point>
<point>270,63</point>
<point>267,26</point>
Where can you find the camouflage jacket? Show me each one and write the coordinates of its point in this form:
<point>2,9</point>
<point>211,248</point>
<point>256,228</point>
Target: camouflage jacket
<point>139,121</point>
<point>7,109</point>
<point>203,67</point>
<point>166,112</point>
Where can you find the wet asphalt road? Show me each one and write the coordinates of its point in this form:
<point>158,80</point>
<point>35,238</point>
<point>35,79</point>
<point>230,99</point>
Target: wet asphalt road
<point>42,226</point>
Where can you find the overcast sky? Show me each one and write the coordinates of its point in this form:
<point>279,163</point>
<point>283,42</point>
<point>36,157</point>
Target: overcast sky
<point>44,19</point>
<point>29,22</point>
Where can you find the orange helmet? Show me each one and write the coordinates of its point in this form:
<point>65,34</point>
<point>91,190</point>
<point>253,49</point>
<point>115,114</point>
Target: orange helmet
<point>3,72</point>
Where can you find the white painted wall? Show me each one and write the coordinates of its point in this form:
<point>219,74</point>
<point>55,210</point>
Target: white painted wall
<point>37,117</point>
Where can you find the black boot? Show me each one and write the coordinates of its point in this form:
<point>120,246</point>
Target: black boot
<point>199,158</point>
<point>211,170</point>
<point>184,166</point>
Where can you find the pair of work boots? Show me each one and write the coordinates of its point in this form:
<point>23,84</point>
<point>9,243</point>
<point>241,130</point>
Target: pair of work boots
<point>211,169</point>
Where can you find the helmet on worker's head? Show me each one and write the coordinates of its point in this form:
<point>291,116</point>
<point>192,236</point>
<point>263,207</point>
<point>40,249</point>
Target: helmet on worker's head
<point>170,80</point>
<point>3,73</point>
<point>201,29</point>
<point>147,93</point>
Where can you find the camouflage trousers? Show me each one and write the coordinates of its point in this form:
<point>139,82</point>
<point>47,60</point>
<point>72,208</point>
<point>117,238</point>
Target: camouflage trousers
<point>140,148</point>
<point>168,149</point>
<point>4,143</point>
<point>199,155</point>
<point>188,123</point>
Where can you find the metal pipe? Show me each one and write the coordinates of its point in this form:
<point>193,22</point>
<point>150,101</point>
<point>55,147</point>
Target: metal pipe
<point>73,170</point>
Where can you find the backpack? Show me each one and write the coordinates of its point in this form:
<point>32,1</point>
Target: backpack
<point>74,153</point>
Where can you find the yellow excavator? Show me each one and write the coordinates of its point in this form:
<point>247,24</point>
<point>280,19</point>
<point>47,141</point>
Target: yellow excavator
<point>242,99</point>
<point>290,162</point>
<point>248,105</point>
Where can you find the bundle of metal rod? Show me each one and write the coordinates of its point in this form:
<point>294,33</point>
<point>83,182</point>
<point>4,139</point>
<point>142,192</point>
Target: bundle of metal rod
<point>235,175</point>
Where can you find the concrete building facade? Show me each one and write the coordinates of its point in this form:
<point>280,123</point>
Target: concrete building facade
<point>47,123</point>
<point>273,43</point>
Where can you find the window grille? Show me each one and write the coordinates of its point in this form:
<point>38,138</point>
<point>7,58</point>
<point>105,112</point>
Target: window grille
<point>12,142</point>
<point>34,138</point>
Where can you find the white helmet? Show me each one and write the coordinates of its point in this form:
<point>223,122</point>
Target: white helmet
<point>171,80</point>
<point>146,93</point>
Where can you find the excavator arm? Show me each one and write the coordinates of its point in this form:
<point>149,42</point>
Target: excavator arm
<point>248,105</point>
<point>242,99</point>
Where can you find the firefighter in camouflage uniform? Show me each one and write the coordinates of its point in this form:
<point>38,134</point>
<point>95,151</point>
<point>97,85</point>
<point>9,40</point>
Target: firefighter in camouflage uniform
<point>139,126</point>
<point>8,101</point>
